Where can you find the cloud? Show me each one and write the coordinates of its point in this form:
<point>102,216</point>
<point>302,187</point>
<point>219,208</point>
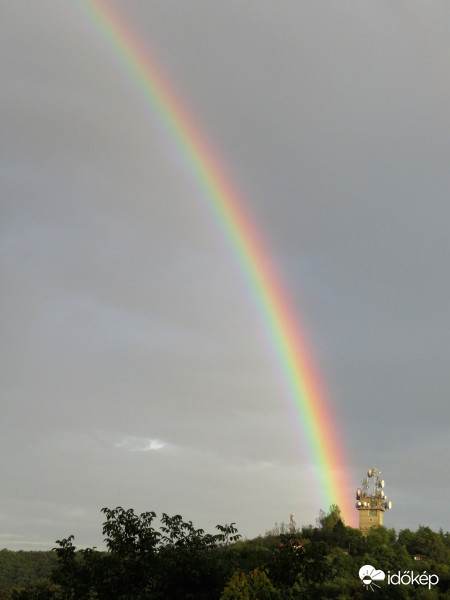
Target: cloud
<point>139,444</point>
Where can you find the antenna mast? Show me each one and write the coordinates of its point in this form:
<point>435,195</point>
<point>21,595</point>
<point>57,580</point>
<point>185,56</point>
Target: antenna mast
<point>371,504</point>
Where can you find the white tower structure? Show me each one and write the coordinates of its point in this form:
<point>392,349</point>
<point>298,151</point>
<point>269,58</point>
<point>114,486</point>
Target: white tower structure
<point>292,524</point>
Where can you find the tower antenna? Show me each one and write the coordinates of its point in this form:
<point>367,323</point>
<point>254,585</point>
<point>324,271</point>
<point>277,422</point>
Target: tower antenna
<point>371,504</point>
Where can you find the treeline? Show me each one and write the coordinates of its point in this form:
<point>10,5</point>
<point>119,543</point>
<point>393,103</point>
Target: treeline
<point>172,560</point>
<point>24,568</point>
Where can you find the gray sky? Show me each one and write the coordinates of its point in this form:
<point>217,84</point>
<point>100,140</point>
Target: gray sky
<point>133,366</point>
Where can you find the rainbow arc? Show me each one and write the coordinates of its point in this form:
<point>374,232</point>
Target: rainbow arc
<point>304,395</point>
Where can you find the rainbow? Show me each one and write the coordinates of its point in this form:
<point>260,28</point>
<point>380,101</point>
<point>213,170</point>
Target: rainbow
<point>304,395</point>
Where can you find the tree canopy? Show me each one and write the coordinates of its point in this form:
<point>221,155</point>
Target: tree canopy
<point>170,559</point>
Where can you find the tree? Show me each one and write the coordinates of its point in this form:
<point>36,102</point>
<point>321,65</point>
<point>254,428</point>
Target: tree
<point>142,563</point>
<point>317,566</point>
<point>42,591</point>
<point>133,545</point>
<point>286,563</point>
<point>189,565</point>
<point>175,560</point>
<point>355,542</point>
<point>254,586</point>
<point>330,522</point>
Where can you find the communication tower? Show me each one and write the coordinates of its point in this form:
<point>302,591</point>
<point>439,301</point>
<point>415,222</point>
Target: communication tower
<point>371,504</point>
<point>292,524</point>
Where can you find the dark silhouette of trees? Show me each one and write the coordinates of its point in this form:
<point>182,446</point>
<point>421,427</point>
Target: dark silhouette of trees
<point>170,559</point>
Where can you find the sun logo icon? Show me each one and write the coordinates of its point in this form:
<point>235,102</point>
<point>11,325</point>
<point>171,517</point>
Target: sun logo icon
<point>369,575</point>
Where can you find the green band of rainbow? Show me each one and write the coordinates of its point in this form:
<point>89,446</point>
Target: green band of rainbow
<point>281,323</point>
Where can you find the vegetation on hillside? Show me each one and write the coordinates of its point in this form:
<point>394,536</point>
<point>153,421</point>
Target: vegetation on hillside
<point>172,560</point>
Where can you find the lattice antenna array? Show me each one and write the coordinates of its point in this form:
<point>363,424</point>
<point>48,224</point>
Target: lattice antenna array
<point>371,504</point>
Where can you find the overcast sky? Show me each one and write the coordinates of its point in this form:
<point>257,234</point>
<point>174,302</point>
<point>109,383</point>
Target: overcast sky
<point>133,364</point>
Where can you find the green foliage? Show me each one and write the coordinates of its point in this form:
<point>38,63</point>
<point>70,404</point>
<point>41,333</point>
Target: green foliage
<point>173,560</point>
<point>176,561</point>
<point>286,563</point>
<point>24,568</point>
<point>248,555</point>
<point>188,560</point>
<point>41,591</point>
<point>327,521</point>
<point>254,586</point>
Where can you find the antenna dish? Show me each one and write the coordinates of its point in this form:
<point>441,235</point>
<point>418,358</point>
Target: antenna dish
<point>381,483</point>
<point>370,472</point>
